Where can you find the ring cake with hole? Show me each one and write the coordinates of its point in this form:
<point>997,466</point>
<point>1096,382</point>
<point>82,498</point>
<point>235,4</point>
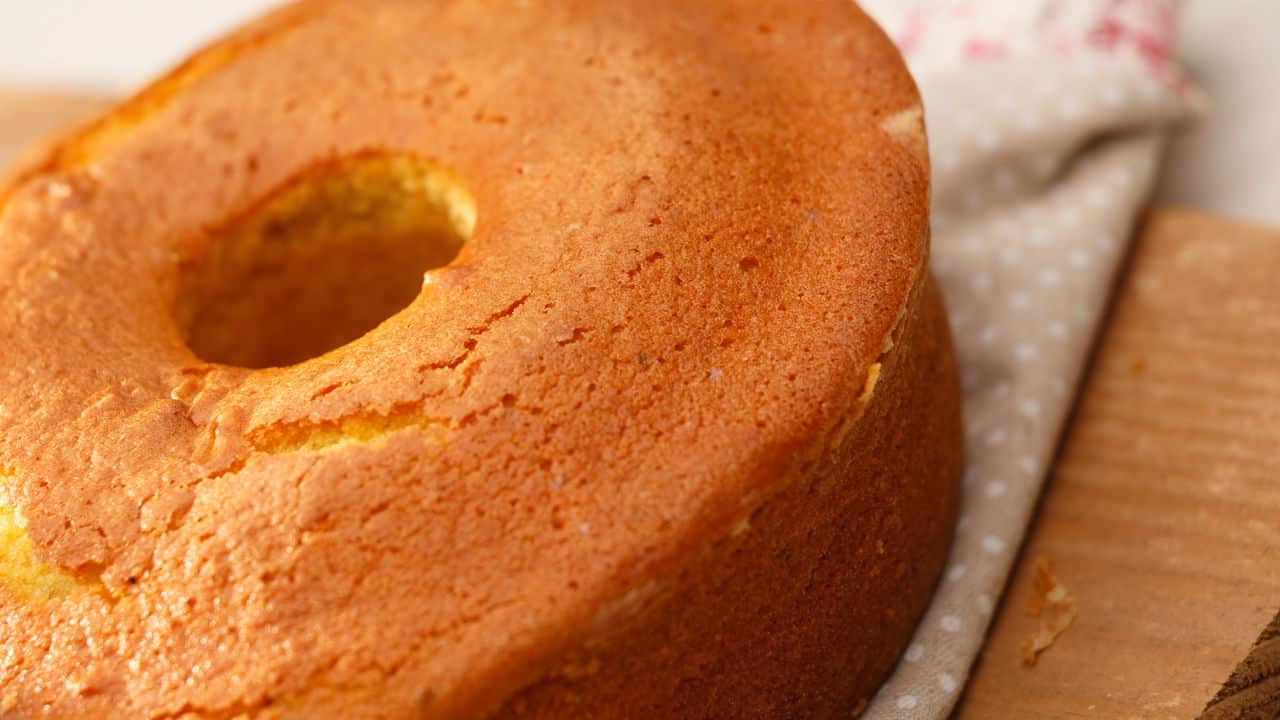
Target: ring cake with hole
<point>471,359</point>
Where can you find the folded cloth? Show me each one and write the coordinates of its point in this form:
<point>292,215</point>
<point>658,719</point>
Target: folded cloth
<point>1046,122</point>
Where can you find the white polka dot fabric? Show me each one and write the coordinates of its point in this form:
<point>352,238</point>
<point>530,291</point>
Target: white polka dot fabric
<point>1046,123</point>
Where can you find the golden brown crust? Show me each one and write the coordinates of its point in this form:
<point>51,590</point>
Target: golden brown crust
<point>854,544</point>
<point>695,233</point>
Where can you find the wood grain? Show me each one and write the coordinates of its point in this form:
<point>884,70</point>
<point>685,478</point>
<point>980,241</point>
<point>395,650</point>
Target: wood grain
<point>1163,514</point>
<point>1253,690</point>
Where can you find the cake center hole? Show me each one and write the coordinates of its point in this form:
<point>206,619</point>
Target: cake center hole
<point>323,260</point>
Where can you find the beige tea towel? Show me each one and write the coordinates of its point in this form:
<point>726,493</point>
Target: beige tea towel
<point>1046,123</point>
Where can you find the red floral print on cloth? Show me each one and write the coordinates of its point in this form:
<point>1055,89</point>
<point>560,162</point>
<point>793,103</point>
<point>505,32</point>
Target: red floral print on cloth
<point>936,32</point>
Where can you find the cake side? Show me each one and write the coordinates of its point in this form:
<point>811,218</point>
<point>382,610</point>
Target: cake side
<point>802,609</point>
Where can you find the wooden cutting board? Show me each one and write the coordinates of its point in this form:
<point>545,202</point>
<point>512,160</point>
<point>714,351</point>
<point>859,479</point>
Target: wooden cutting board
<point>1162,516</point>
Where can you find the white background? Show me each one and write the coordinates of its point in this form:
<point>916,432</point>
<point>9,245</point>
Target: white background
<point>1229,164</point>
<point>112,45</point>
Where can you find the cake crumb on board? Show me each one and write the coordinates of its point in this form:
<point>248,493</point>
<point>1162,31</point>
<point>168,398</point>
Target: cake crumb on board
<point>1052,603</point>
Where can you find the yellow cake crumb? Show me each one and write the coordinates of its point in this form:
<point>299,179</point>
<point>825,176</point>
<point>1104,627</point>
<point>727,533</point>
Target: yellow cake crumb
<point>21,573</point>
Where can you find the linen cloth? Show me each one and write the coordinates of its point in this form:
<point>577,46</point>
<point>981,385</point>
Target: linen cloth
<point>1046,122</point>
